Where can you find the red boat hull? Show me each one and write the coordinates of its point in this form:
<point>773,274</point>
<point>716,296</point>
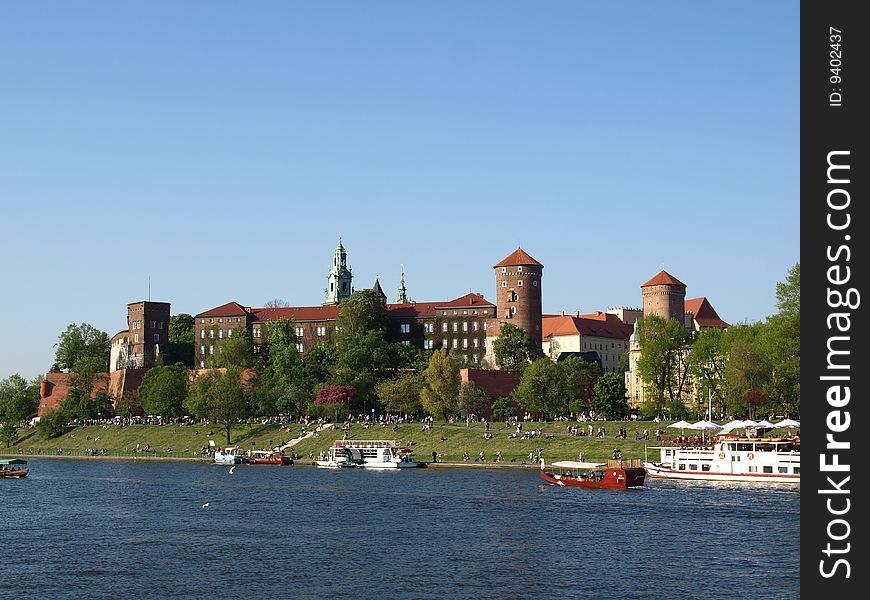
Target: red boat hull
<point>274,460</point>
<point>612,479</point>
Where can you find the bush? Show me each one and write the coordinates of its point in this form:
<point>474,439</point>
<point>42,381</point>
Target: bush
<point>52,424</point>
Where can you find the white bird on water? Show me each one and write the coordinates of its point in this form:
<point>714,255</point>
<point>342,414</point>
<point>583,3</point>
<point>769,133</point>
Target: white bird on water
<point>233,468</point>
<point>205,505</point>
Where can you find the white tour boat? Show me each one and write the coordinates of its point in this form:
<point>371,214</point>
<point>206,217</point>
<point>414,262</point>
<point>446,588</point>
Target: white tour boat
<point>369,454</point>
<point>732,458</point>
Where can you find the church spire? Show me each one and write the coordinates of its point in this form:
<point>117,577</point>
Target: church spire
<point>339,277</point>
<point>402,298</point>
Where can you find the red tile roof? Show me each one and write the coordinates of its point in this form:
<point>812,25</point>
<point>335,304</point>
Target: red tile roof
<point>704,313</point>
<point>430,309</point>
<point>230,309</point>
<point>664,278</point>
<point>596,324</point>
<point>297,313</point>
<point>519,257</point>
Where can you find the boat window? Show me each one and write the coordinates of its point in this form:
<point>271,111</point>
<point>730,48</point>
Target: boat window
<point>768,469</point>
<point>753,469</point>
<point>705,467</point>
<point>796,470</point>
<point>782,469</point>
<point>693,467</point>
<point>735,458</point>
<point>682,466</point>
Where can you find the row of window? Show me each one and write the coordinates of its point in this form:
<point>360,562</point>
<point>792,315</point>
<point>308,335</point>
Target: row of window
<point>211,333</point>
<point>154,324</point>
<point>229,320</point>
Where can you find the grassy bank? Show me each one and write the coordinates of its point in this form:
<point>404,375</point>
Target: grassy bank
<point>450,441</point>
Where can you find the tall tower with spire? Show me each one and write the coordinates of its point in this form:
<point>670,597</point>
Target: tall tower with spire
<point>402,298</point>
<point>339,279</point>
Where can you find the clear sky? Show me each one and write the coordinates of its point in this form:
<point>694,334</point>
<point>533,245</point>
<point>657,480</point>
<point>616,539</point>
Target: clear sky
<point>220,148</point>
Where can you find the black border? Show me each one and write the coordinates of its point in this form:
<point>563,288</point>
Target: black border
<point>826,128</point>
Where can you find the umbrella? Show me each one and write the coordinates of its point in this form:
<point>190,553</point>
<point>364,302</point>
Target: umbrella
<point>749,423</point>
<point>735,424</point>
<point>765,424</point>
<point>788,423</point>
<point>681,425</point>
<point>704,426</point>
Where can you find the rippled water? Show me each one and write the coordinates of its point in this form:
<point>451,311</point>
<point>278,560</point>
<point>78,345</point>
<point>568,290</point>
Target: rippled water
<point>114,529</point>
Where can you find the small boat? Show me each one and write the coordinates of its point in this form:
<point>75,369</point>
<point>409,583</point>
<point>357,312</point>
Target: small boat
<point>369,454</point>
<point>732,458</point>
<point>268,457</point>
<point>13,468</point>
<point>230,456</point>
<point>614,474</point>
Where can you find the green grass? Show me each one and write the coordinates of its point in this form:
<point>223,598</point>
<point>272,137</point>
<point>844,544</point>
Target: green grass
<point>177,441</point>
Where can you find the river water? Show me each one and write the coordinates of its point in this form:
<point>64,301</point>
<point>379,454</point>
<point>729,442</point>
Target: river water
<point>116,529</point>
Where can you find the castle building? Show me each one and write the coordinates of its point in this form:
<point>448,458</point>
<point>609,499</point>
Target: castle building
<point>665,296</point>
<point>597,337</point>
<point>459,324</point>
<point>147,333</point>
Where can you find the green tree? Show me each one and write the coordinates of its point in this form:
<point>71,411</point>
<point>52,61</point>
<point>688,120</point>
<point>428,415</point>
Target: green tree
<point>781,338</point>
<point>19,400</point>
<point>748,366</point>
<point>610,399</point>
<point>512,348</point>
<point>52,424</point>
<point>440,393</point>
<point>130,404</point>
<point>503,408</point>
<point>236,351</point>
<point>580,377</point>
<point>219,397</point>
<point>164,389</point>
<point>662,363</point>
<point>283,364</point>
<point>82,341</point>
<point>402,394</point>
<point>544,389</point>
<point>472,399</point>
<point>182,331</point>
<point>363,311</point>
<point>706,362</point>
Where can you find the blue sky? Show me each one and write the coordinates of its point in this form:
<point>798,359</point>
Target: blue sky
<point>220,148</point>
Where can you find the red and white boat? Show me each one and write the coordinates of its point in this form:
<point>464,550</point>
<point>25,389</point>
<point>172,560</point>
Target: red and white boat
<point>268,457</point>
<point>732,458</point>
<point>614,474</point>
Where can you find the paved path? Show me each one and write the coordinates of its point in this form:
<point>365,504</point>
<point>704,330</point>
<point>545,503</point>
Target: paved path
<point>295,441</point>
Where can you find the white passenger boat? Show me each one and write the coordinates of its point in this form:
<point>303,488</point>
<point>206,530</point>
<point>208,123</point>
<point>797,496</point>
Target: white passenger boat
<point>732,458</point>
<point>230,456</point>
<point>369,454</point>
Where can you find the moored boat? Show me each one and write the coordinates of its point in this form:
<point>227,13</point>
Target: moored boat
<point>268,457</point>
<point>232,455</point>
<point>614,474</point>
<point>732,458</point>
<point>369,454</point>
<point>13,468</point>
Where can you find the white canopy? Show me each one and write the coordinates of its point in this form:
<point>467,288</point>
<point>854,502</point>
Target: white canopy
<point>749,423</point>
<point>735,424</point>
<point>766,424</point>
<point>573,464</point>
<point>788,423</point>
<point>681,425</point>
<point>704,425</point>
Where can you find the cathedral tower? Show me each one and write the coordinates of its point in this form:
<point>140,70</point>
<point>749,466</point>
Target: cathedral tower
<point>340,278</point>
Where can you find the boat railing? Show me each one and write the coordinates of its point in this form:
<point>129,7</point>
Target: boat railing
<point>625,463</point>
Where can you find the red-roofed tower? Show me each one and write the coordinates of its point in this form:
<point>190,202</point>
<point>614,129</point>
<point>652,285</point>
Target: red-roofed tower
<point>518,294</point>
<point>664,296</point>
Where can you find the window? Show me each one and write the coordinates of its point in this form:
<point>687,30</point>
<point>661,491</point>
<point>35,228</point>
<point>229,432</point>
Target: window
<point>299,347</point>
<point>211,349</point>
<point>160,325</point>
<point>202,364</point>
<point>465,343</point>
<point>156,337</point>
<point>136,338</point>
<point>513,310</point>
<point>455,343</point>
<point>406,328</point>
<point>476,342</point>
<point>446,344</point>
<point>202,334</point>
<point>229,333</point>
<point>220,334</point>
<point>211,333</point>
<point>504,284</point>
<point>202,349</point>
<point>520,283</point>
<point>220,320</point>
<point>503,270</point>
<point>321,331</point>
<point>474,326</point>
<point>534,283</point>
<point>299,332</point>
<point>406,342</point>
<point>474,357</point>
<point>768,469</point>
<point>465,326</point>
<point>519,269</point>
<point>256,349</point>
<point>484,325</point>
<point>256,332</point>
<point>782,469</point>
<point>427,344</point>
<point>444,327</point>
<point>428,327</point>
<point>455,326</point>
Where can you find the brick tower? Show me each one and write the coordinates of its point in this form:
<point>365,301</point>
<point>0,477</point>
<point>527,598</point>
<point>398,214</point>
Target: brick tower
<point>518,294</point>
<point>664,296</point>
